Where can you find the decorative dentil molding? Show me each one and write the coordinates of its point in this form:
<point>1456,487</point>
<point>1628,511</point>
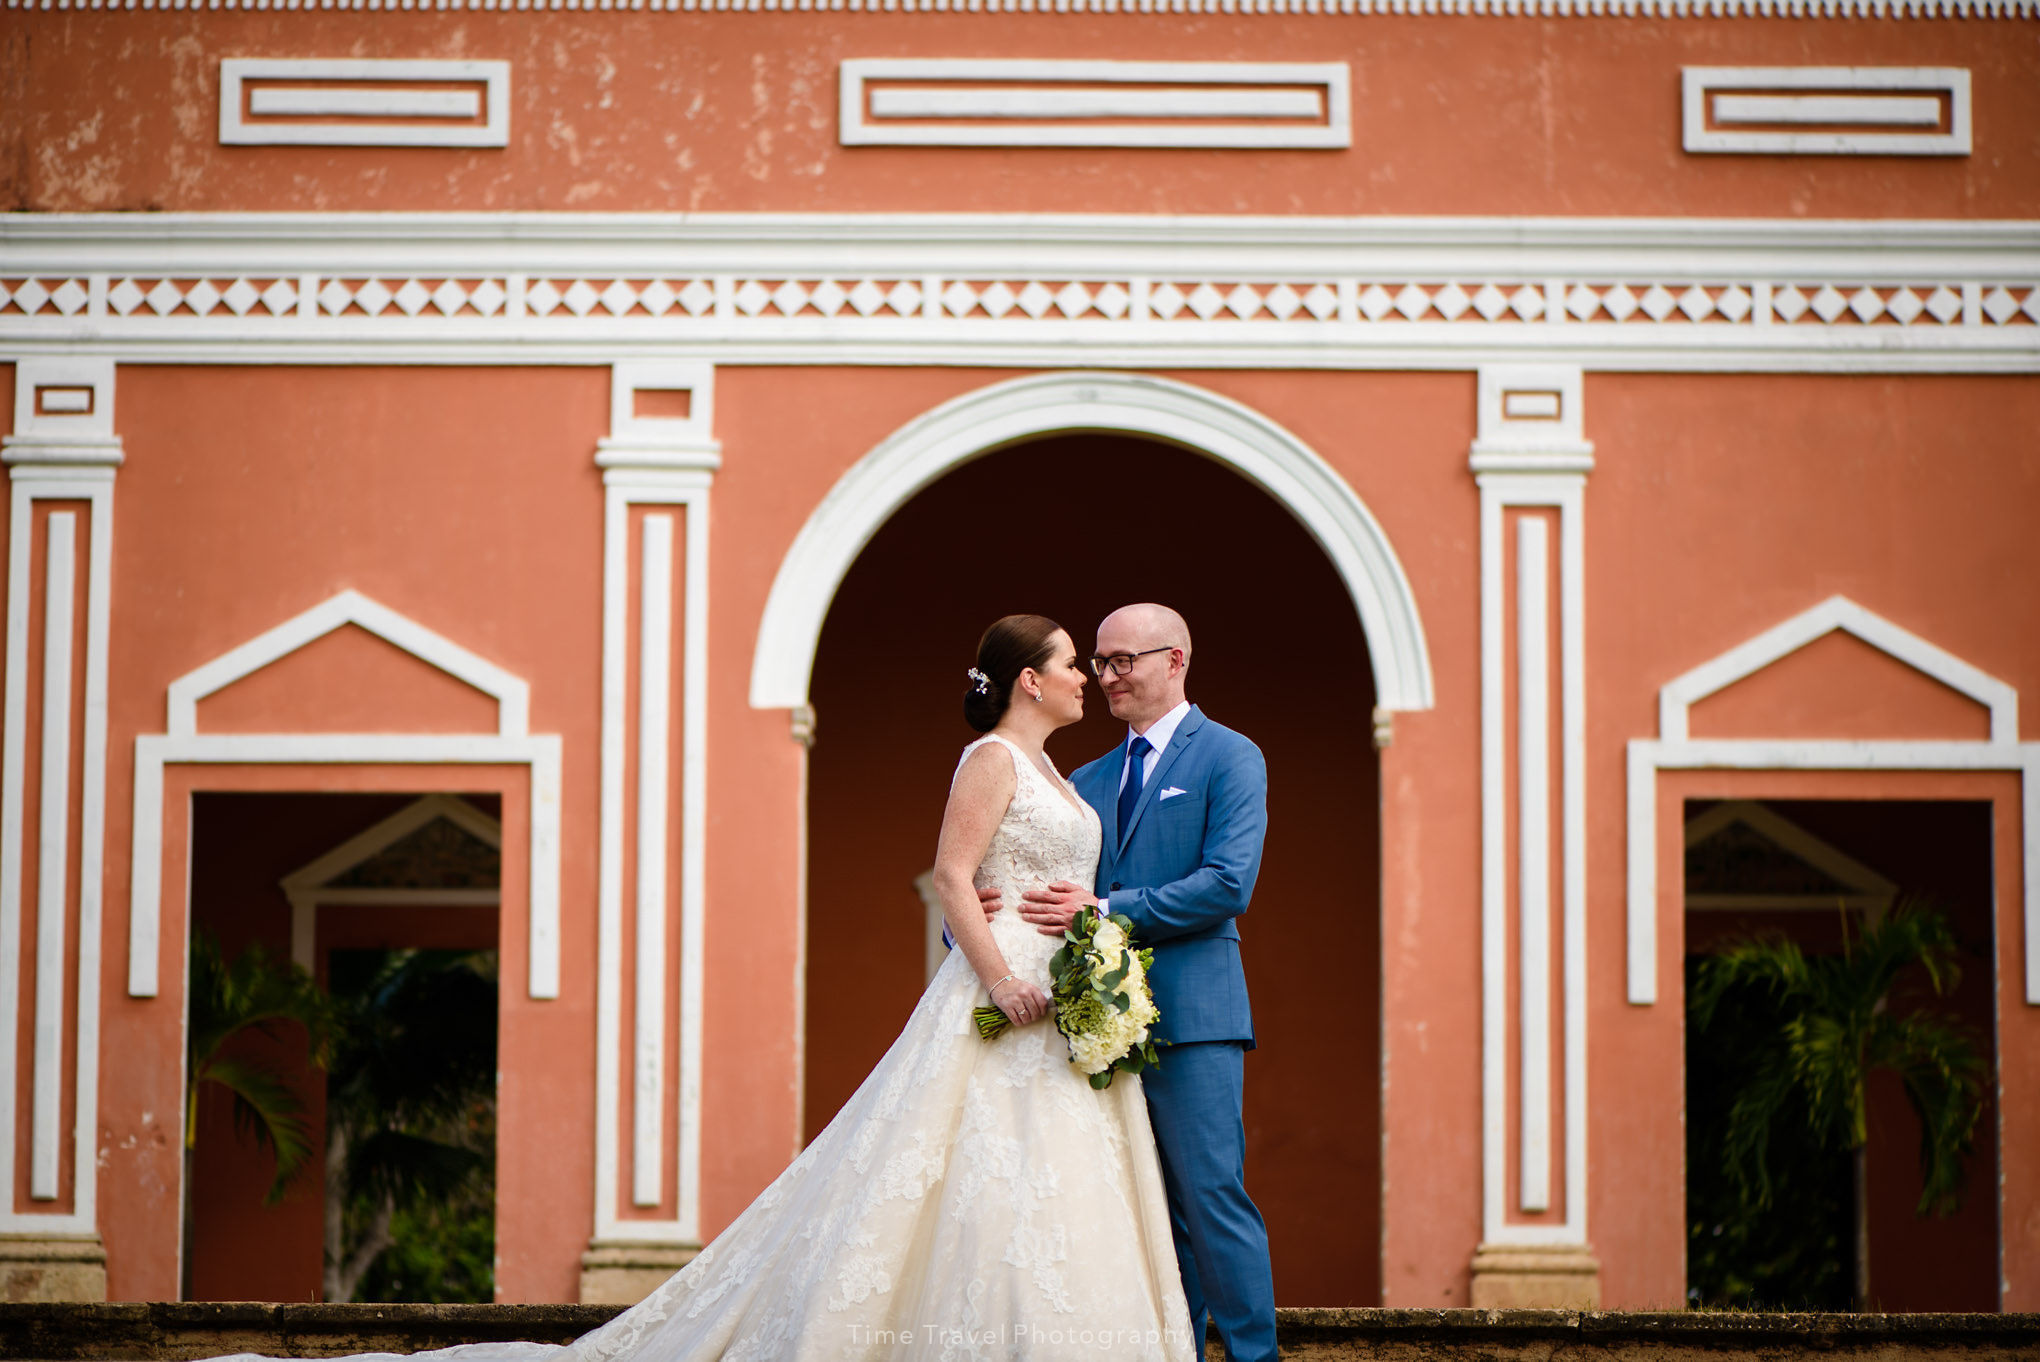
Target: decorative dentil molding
<point>1541,9</point>
<point>1648,294</point>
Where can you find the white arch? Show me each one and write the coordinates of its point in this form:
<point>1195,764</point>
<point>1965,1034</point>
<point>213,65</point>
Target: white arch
<point>979,422</point>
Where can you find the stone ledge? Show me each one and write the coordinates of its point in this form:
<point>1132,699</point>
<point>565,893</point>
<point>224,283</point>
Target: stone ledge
<point>173,1332</point>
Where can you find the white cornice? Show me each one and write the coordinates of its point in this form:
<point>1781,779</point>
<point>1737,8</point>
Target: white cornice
<point>1040,290</point>
<point>1541,9</point>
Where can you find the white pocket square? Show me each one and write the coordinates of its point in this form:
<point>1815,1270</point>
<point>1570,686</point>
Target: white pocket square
<point>1170,793</point>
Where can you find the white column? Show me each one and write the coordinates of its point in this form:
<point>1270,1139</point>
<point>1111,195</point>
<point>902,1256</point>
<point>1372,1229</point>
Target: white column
<point>657,471</point>
<point>63,452</point>
<point>1531,461</point>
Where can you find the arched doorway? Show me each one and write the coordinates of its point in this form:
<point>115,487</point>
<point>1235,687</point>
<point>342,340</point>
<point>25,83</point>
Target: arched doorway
<point>1073,525</point>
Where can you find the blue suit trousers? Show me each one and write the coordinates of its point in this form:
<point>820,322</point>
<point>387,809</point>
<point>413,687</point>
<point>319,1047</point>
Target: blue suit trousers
<point>1194,1097</point>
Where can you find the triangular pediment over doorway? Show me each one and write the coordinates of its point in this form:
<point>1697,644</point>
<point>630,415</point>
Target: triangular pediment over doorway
<point>1745,856</point>
<point>440,842</point>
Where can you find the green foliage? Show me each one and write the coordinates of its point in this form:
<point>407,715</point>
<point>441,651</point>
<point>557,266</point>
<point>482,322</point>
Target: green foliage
<point>255,993</point>
<point>1792,1254</point>
<point>1839,1025</point>
<point>1800,1036</point>
<point>411,1108</point>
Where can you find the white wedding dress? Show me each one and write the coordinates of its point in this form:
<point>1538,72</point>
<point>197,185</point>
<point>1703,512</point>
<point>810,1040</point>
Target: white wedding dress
<point>972,1200</point>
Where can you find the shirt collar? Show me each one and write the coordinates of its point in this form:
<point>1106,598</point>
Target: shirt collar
<point>1164,728</point>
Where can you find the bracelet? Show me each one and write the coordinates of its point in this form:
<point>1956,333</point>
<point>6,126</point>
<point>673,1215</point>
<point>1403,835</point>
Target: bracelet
<point>995,987</point>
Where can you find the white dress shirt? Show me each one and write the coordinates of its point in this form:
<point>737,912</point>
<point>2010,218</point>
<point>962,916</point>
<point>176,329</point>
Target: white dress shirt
<point>1158,735</point>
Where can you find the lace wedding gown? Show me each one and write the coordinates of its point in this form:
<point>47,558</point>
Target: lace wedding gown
<point>972,1200</point>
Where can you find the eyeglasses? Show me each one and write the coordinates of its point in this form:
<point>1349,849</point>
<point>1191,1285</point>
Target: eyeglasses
<point>1122,663</point>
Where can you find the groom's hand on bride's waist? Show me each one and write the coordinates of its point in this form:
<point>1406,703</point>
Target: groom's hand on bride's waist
<point>1054,908</point>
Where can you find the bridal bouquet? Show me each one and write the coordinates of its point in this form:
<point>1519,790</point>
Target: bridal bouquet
<point>1103,1005</point>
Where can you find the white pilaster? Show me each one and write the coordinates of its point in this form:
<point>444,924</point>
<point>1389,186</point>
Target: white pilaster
<point>1531,460</point>
<point>667,462</point>
<point>63,451</point>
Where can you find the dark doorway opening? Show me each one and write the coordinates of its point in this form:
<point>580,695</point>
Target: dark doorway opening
<point>405,898</point>
<point>1071,527</point>
<point>1809,870</point>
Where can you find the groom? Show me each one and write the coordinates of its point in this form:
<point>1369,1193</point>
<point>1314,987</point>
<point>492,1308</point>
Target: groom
<point>1184,803</point>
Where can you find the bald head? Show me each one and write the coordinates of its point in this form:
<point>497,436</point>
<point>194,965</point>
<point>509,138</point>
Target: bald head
<point>1154,626</point>
<point>1157,641</point>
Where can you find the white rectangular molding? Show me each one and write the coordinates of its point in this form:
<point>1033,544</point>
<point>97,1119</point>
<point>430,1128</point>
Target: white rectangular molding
<point>660,455</point>
<point>1533,854</point>
<point>1530,459</point>
<point>364,103</point>
<point>654,768</point>
<point>1827,110</point>
<point>1052,103</point>
<point>60,573</point>
<point>63,451</point>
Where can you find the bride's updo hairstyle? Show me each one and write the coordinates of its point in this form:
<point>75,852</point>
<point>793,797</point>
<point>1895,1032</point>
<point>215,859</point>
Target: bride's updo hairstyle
<point>1009,647</point>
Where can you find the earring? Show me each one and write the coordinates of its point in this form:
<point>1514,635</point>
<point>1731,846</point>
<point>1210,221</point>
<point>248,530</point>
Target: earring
<point>1037,696</point>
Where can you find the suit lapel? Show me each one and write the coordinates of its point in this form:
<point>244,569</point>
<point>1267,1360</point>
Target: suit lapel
<point>1186,733</point>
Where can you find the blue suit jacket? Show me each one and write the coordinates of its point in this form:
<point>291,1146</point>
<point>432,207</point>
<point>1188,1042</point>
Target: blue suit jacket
<point>1184,868</point>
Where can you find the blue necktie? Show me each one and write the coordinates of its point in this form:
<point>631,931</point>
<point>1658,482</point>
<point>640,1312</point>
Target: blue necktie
<point>1136,776</point>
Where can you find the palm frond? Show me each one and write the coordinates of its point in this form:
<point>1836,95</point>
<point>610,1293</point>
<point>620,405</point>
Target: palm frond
<point>265,1109</point>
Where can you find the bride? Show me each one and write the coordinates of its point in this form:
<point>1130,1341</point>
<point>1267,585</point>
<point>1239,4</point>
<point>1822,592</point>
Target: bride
<point>973,1199</point>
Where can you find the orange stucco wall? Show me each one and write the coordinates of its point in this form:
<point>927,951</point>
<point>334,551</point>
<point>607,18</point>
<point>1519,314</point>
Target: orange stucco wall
<point>468,499</point>
<point>711,111</point>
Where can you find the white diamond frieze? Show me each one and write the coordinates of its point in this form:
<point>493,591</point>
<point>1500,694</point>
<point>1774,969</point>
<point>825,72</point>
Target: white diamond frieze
<point>372,297</point>
<point>959,298</point>
<point>619,297</point>
<point>697,297</point>
<point>70,297</point>
<point>904,298</point>
<point>997,300</point>
<point>541,298</point>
